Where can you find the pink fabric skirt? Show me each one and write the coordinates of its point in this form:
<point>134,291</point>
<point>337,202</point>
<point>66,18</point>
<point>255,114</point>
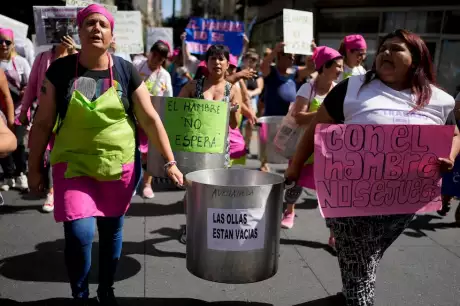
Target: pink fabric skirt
<point>83,197</point>
<point>143,140</point>
<point>237,144</point>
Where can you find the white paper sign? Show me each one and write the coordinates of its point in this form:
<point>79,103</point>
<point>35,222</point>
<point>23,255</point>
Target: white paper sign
<point>84,3</point>
<point>236,229</point>
<point>128,32</point>
<point>155,34</point>
<point>19,29</point>
<point>53,22</point>
<point>298,31</point>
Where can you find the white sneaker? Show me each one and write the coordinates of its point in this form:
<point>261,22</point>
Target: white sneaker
<point>49,203</point>
<point>21,182</point>
<point>7,184</point>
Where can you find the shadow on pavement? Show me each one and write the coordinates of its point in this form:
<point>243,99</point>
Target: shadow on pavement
<point>333,300</point>
<point>135,302</point>
<point>155,210</point>
<point>308,244</point>
<point>423,223</point>
<point>13,209</point>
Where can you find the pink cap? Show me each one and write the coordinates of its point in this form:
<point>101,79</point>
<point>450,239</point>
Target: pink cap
<point>233,60</point>
<point>7,32</point>
<point>324,54</point>
<point>94,9</point>
<point>355,41</point>
<point>202,64</point>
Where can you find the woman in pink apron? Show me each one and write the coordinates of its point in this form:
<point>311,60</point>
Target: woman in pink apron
<point>91,100</point>
<point>17,72</point>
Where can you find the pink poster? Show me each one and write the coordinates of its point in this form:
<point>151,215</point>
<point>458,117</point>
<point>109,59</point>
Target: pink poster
<point>368,170</point>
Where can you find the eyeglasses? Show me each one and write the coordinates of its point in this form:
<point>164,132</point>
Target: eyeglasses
<point>7,42</point>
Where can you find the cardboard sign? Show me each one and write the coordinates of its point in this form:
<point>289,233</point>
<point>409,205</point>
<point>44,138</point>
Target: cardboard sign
<point>128,32</point>
<point>155,34</point>
<point>19,29</point>
<point>84,3</point>
<point>54,22</point>
<point>195,125</point>
<point>297,31</point>
<point>203,33</point>
<point>367,170</point>
<point>236,229</point>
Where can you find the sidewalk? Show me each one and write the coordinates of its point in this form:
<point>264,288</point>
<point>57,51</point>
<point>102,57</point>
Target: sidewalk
<point>421,268</point>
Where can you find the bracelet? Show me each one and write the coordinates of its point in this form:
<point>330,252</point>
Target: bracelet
<point>169,164</point>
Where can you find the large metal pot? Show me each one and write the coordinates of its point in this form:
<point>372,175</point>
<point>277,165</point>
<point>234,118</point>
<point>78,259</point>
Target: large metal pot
<point>267,129</point>
<point>186,161</point>
<point>233,224</point>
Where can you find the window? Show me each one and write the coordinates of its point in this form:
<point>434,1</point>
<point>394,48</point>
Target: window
<point>449,66</point>
<point>452,22</point>
<point>418,22</point>
<point>349,22</point>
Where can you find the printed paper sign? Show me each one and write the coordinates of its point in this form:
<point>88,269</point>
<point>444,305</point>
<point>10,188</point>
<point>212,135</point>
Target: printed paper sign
<point>84,3</point>
<point>236,229</point>
<point>367,170</point>
<point>54,22</point>
<point>155,34</point>
<point>297,31</point>
<point>128,32</point>
<point>195,125</point>
<point>19,29</point>
<point>203,33</point>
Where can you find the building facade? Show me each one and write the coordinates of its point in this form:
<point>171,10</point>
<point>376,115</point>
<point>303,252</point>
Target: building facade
<point>438,26</point>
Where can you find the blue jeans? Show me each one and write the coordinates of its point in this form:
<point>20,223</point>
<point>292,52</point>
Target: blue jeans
<point>79,235</point>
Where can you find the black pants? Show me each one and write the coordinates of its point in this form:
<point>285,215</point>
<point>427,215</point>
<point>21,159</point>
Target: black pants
<point>15,163</point>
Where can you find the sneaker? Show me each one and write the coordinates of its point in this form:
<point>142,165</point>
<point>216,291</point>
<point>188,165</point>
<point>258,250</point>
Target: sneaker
<point>183,235</point>
<point>49,203</point>
<point>331,243</point>
<point>107,298</point>
<point>21,182</point>
<point>147,192</point>
<point>8,184</point>
<point>288,220</point>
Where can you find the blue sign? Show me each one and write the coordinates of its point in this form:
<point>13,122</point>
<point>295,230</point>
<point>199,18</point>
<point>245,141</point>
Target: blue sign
<point>203,33</point>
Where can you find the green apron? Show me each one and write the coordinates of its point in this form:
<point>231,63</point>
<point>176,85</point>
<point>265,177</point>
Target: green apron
<point>314,106</point>
<point>96,138</point>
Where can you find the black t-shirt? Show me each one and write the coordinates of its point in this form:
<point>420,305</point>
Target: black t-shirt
<point>91,83</point>
<point>336,97</point>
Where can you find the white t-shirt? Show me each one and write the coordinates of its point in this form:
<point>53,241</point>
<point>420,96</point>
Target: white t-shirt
<point>348,72</point>
<point>307,91</point>
<point>192,64</point>
<point>22,67</point>
<point>377,103</point>
<point>158,82</point>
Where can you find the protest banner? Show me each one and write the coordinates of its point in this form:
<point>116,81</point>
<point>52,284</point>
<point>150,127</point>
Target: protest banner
<point>367,170</point>
<point>54,22</point>
<point>128,32</point>
<point>84,3</point>
<point>297,31</point>
<point>195,125</point>
<point>203,33</point>
<point>155,34</point>
<point>19,29</point>
<point>235,229</point>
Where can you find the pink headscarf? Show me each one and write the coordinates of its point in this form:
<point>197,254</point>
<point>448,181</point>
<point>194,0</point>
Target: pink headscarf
<point>323,55</point>
<point>7,32</point>
<point>354,41</point>
<point>94,9</point>
<point>202,64</point>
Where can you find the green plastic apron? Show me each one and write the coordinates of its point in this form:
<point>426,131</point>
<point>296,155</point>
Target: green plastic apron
<point>96,138</point>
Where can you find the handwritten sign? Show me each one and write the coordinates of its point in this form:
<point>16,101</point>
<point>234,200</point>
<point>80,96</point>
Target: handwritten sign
<point>196,125</point>
<point>128,32</point>
<point>367,170</point>
<point>155,34</point>
<point>203,33</point>
<point>54,22</point>
<point>19,29</point>
<point>84,3</point>
<point>297,31</point>
<point>236,229</point>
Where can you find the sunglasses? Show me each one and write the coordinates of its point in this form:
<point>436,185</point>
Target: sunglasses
<point>7,42</point>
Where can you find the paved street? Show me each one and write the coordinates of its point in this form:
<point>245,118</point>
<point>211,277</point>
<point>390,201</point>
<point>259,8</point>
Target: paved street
<point>421,268</point>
